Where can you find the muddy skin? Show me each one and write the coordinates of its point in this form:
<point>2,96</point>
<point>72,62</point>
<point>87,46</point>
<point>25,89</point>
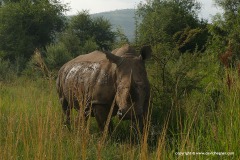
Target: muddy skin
<point>91,82</point>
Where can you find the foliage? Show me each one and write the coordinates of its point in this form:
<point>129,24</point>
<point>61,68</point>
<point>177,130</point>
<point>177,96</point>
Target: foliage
<point>161,20</point>
<point>102,33</point>
<point>82,35</point>
<point>57,55</point>
<point>174,71</point>
<point>70,41</point>
<point>225,28</point>
<point>26,25</point>
<point>30,121</point>
<point>85,34</point>
<point>190,39</point>
<point>178,39</point>
<point>36,66</point>
<point>7,71</point>
<point>121,38</point>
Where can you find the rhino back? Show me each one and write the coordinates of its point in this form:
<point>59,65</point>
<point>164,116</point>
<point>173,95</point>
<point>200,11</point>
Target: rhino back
<point>87,77</point>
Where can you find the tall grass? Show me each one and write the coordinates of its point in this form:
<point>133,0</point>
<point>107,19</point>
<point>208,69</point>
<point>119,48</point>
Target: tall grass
<point>31,128</point>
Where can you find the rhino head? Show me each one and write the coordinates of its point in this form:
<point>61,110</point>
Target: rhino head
<point>132,86</point>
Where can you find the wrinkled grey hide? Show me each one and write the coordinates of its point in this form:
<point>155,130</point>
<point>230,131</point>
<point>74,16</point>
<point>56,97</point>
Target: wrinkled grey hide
<point>91,82</point>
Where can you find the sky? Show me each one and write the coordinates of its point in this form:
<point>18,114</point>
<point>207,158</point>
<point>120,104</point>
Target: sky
<point>96,6</point>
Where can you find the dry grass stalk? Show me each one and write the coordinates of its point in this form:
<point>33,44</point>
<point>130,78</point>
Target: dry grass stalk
<point>144,143</point>
<point>106,131</point>
<point>39,61</point>
<point>161,141</point>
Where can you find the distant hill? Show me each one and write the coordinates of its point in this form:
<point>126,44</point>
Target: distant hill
<point>121,18</point>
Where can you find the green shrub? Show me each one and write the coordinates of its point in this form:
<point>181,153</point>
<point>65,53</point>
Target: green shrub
<point>57,55</point>
<point>7,72</point>
<point>89,46</point>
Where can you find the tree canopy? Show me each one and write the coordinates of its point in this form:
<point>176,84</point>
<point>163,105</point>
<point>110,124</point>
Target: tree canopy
<point>28,24</point>
<point>87,28</point>
<point>172,22</point>
<point>83,34</point>
<point>177,37</point>
<point>225,28</point>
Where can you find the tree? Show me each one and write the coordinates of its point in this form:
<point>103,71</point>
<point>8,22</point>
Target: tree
<point>102,33</point>
<point>171,27</point>
<point>28,24</point>
<point>225,28</point>
<point>177,38</point>
<point>98,29</point>
<point>163,19</point>
<point>85,34</point>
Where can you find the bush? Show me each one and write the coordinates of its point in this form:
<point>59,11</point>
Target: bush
<point>174,77</point>
<point>57,55</point>
<point>89,46</point>
<point>6,71</point>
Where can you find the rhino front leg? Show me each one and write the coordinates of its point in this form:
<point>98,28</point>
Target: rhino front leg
<point>101,114</point>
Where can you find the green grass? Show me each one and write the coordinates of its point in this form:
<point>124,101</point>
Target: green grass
<point>31,128</point>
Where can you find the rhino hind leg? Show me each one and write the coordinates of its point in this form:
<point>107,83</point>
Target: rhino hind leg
<point>66,113</point>
<point>101,115</point>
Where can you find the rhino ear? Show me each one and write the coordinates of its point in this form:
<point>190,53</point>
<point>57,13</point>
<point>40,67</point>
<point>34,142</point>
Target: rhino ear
<point>112,58</point>
<point>145,52</point>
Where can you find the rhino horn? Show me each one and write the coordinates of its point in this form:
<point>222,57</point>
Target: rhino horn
<point>113,58</point>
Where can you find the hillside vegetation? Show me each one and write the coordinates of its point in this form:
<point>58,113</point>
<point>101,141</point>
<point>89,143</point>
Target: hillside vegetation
<point>194,73</point>
<point>31,128</point>
<point>123,19</point>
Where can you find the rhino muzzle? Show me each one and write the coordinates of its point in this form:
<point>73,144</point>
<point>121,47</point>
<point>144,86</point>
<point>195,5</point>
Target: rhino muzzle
<point>119,113</point>
<point>123,114</point>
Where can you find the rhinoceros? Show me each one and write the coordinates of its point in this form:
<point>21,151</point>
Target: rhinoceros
<point>101,79</point>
